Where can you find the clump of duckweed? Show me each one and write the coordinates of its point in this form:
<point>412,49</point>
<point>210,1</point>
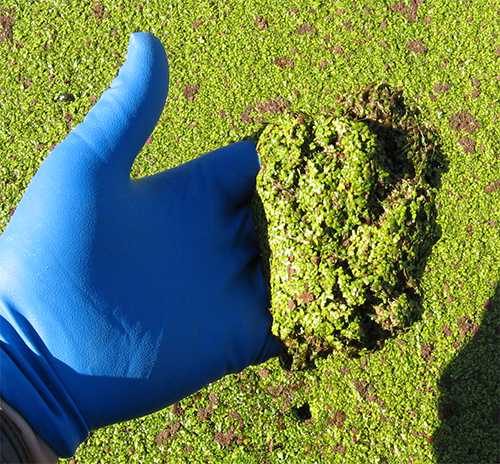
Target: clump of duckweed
<point>345,216</point>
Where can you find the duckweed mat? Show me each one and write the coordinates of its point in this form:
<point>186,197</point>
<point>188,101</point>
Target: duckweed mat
<point>431,393</point>
<point>347,222</point>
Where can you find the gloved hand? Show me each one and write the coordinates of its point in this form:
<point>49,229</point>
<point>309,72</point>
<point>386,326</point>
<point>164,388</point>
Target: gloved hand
<point>119,297</point>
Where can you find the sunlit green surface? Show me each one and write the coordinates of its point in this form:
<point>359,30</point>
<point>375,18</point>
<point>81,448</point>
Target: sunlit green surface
<point>429,396</point>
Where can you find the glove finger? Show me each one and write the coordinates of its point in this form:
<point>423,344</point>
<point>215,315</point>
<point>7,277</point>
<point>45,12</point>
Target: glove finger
<point>116,128</point>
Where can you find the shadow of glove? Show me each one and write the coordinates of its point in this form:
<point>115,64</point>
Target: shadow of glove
<point>119,297</point>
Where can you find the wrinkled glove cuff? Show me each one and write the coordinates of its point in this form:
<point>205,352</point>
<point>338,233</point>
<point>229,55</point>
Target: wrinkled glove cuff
<point>13,449</point>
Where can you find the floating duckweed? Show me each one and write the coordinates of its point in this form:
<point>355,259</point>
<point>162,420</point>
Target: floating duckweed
<point>345,216</point>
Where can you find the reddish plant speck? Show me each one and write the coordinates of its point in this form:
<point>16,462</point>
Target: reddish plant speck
<point>225,438</point>
<point>338,449</point>
<point>305,28</point>
<point>463,121</point>
<point>264,373</point>
<point>190,91</point>
<point>416,46</point>
<point>213,399</point>
<point>169,433</point>
<point>203,413</point>
<point>97,10</point>
<point>284,62</point>
<point>246,118</point>
<point>279,106</point>
<point>306,297</point>
<point>261,23</point>
<point>6,32</point>
<point>440,88</point>
<point>196,24</point>
<point>410,12</point>
<point>493,187</point>
<point>468,145</point>
<point>337,50</point>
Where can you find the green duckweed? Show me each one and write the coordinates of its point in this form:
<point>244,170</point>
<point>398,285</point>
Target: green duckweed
<point>346,217</point>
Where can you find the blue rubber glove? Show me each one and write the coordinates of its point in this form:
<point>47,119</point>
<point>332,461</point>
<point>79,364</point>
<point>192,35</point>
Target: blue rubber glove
<point>119,297</point>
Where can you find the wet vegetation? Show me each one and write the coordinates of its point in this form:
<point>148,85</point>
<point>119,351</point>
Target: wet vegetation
<point>348,221</point>
<point>430,392</point>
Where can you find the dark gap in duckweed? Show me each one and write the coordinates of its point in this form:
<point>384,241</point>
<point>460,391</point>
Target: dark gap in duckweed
<point>301,413</point>
<point>345,217</point>
<point>65,97</point>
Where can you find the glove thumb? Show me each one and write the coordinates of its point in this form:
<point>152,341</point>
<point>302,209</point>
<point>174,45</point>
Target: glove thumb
<point>116,128</point>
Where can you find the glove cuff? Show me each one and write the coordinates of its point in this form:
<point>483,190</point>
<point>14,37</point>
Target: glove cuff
<point>13,448</point>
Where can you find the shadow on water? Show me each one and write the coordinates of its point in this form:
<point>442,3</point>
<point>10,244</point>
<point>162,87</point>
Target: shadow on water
<point>469,405</point>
